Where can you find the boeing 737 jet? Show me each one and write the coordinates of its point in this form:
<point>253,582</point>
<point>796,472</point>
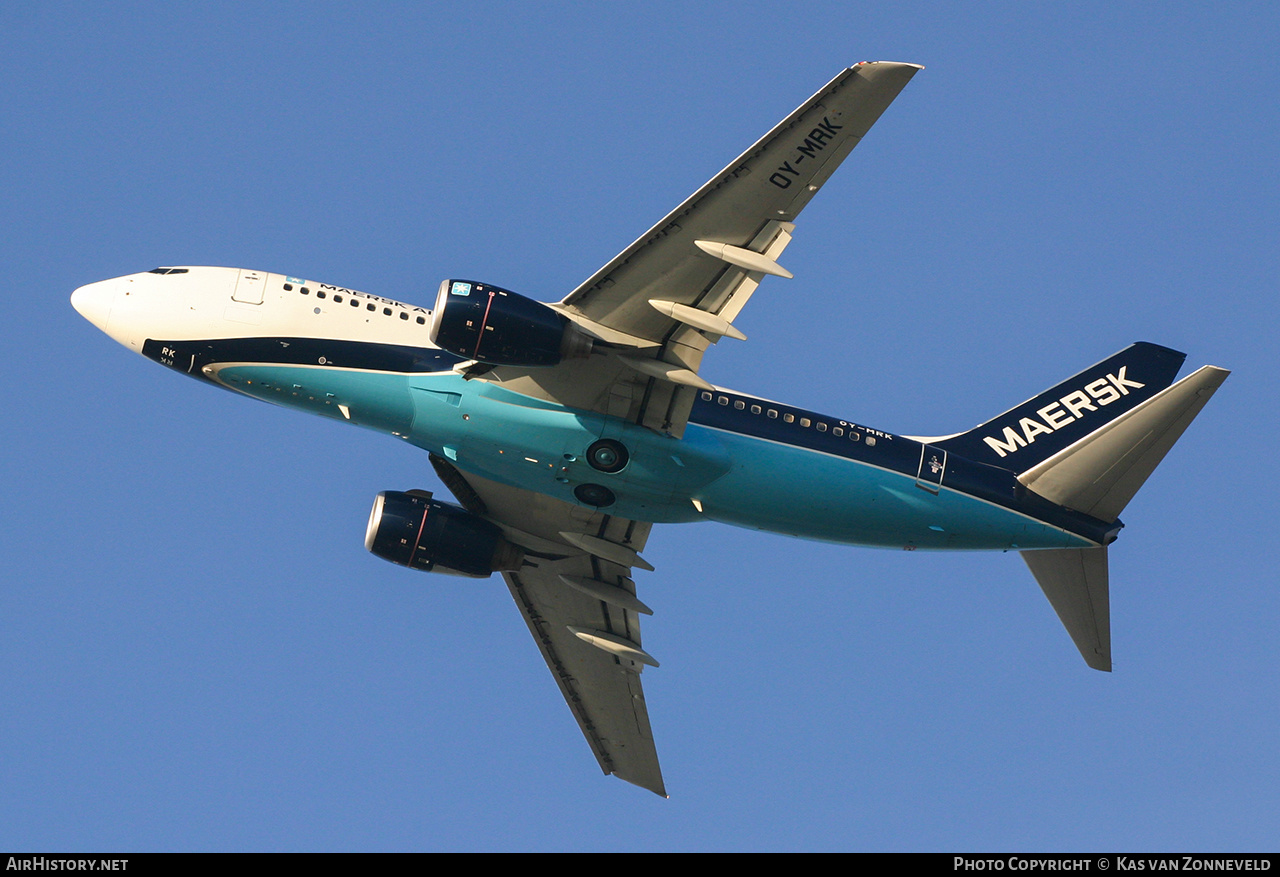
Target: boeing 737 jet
<point>566,430</point>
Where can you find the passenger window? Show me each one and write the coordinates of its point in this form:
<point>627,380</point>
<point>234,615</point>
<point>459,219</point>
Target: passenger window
<point>723,400</point>
<point>288,287</point>
<point>338,299</point>
<point>306,291</point>
<point>871,441</point>
<point>771,414</point>
<point>422,321</point>
<point>788,418</point>
<point>320,294</point>
<point>371,306</point>
<point>853,436</point>
<point>755,409</point>
<point>355,302</point>
<point>822,427</point>
<point>403,315</point>
<point>804,421</point>
<point>387,311</point>
<point>706,397</point>
<point>837,432</point>
<point>739,404</point>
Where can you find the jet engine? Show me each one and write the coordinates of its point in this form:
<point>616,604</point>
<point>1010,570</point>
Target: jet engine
<point>419,532</point>
<point>500,327</point>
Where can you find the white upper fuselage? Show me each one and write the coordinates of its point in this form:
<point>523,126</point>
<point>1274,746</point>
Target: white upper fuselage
<point>210,303</point>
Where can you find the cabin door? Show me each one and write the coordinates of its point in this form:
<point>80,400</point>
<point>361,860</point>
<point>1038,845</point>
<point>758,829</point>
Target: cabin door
<point>249,287</point>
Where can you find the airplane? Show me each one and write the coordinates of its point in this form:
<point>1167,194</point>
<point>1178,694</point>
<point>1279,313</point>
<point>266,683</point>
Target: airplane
<point>566,430</point>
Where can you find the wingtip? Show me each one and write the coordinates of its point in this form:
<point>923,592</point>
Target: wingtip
<point>891,64</point>
<point>659,788</point>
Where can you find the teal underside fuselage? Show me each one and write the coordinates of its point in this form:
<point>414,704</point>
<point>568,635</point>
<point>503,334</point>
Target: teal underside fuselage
<point>713,472</point>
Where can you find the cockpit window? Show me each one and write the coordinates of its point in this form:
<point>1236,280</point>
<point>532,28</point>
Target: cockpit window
<point>168,271</point>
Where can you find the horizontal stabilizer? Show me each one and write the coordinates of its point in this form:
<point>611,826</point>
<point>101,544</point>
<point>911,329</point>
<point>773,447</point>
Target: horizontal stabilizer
<point>1101,472</point>
<point>1075,581</point>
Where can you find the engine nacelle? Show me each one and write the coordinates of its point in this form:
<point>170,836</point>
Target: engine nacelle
<point>419,532</point>
<point>500,327</point>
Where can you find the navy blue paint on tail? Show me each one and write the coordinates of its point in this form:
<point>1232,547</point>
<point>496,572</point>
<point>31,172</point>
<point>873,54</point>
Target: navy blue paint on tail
<point>1041,427</point>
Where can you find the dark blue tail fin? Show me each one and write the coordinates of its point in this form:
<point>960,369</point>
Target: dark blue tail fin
<point>1041,427</point>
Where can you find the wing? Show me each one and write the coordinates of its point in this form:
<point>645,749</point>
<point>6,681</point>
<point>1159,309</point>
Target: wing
<point>746,206</point>
<point>663,300</point>
<point>576,595</point>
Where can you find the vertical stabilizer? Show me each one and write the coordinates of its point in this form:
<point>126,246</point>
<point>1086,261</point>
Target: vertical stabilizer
<point>1028,434</point>
<point>1075,581</point>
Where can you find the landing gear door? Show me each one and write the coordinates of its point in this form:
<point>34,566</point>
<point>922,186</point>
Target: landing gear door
<point>933,468</point>
<point>250,286</point>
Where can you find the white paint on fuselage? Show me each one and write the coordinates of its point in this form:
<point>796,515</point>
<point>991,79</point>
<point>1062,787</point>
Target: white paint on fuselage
<point>199,305</point>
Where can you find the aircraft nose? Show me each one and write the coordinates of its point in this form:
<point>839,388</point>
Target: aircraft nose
<point>94,302</point>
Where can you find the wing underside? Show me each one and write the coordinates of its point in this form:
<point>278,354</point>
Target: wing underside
<point>576,594</point>
<point>661,302</point>
<point>602,689</point>
<point>771,182</point>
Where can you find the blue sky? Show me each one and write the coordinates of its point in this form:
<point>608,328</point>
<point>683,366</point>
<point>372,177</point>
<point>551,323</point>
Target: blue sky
<point>197,653</point>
